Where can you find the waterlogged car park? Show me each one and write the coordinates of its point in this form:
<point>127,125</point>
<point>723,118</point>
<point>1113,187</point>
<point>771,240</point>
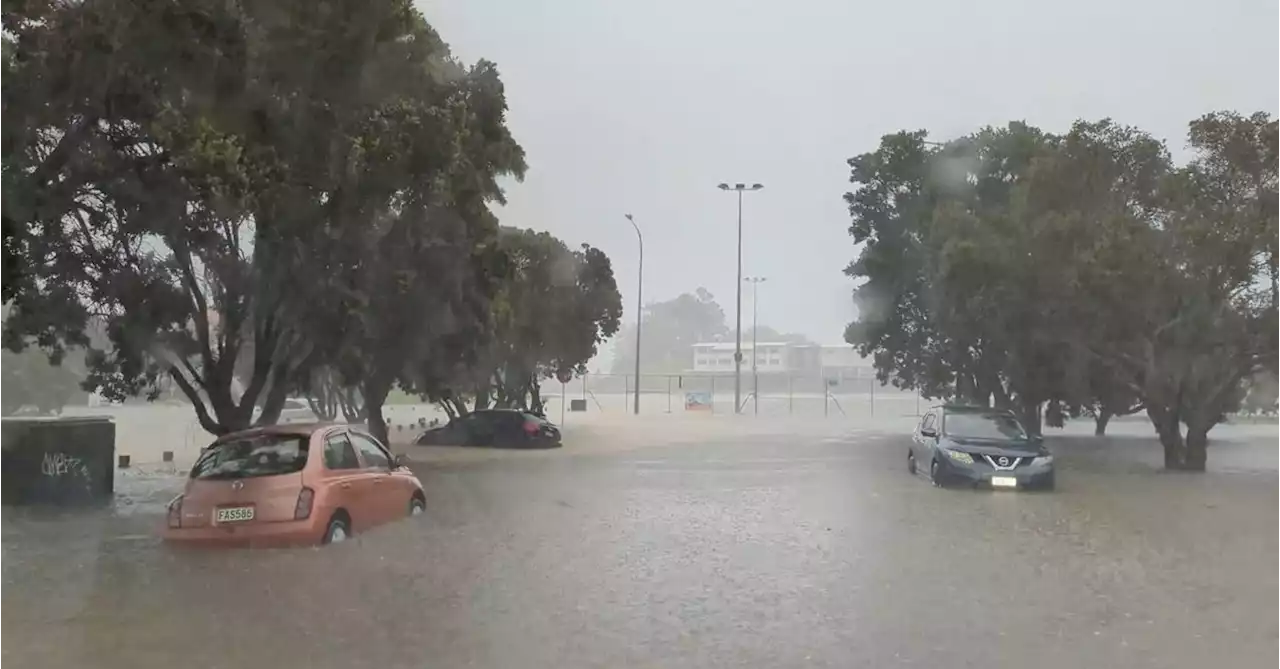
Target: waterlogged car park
<point>979,447</point>
<point>292,484</point>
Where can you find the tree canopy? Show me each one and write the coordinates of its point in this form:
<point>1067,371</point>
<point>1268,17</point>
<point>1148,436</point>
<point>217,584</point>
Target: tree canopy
<point>1084,271</point>
<point>550,315</point>
<point>239,193</point>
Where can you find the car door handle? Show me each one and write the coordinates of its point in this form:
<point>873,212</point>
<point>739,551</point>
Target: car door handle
<point>344,486</point>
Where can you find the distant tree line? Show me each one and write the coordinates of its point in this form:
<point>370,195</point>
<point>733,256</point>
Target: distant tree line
<point>1081,273</point>
<point>672,327</point>
<point>255,199</point>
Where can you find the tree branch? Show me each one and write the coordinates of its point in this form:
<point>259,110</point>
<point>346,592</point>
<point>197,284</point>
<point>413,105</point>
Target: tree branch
<point>202,412</point>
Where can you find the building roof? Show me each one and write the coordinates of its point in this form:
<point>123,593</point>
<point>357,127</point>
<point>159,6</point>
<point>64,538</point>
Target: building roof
<point>729,346</point>
<point>746,343</point>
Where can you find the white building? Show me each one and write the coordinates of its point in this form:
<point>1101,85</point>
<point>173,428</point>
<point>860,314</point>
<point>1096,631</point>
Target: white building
<point>718,357</point>
<point>832,361</point>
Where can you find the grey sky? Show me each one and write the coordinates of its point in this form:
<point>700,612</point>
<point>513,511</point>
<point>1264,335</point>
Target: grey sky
<point>643,107</point>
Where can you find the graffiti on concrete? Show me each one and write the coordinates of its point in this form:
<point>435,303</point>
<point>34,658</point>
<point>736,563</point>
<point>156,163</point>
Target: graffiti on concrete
<point>57,465</point>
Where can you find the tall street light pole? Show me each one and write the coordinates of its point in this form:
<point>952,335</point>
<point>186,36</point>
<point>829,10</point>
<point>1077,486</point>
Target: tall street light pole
<point>737,349</point>
<point>639,310</point>
<point>755,282</point>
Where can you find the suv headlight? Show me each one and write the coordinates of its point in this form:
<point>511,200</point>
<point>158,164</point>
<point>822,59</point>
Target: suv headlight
<point>959,456</point>
<point>1042,461</point>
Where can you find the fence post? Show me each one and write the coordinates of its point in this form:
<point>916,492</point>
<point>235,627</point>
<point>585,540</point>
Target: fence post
<point>668,394</point>
<point>791,397</point>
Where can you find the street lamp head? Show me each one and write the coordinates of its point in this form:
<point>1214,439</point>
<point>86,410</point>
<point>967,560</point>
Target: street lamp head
<point>723,186</point>
<point>629,218</point>
<point>739,186</point>
<point>757,186</point>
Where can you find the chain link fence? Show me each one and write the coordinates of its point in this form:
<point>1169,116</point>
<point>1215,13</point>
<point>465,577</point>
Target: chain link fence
<point>774,395</point>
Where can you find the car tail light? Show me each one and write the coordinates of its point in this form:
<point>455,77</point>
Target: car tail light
<point>530,427</point>
<point>174,512</point>
<point>302,510</point>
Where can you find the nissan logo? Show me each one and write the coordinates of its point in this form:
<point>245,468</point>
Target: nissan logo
<point>1004,461</point>
<point>236,485</point>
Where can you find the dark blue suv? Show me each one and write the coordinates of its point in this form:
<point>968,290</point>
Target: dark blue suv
<point>979,447</point>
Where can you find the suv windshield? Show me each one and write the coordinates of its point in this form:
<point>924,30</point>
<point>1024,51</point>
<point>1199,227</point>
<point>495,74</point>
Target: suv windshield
<point>984,426</point>
<point>248,457</point>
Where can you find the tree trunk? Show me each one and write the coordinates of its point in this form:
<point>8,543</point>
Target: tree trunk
<point>353,410</point>
<point>321,397</point>
<point>1054,415</point>
<point>1029,412</point>
<point>277,393</point>
<point>1169,426</point>
<point>535,392</point>
<point>1197,443</point>
<point>483,397</point>
<point>375,393</point>
<point>322,405</point>
<point>1100,422</point>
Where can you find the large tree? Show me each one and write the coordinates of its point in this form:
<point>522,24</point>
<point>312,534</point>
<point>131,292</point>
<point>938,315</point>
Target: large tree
<point>952,302</point>
<point>1208,322</point>
<point>422,291</point>
<point>550,315</point>
<point>1082,271</point>
<point>202,177</point>
<point>1100,183</point>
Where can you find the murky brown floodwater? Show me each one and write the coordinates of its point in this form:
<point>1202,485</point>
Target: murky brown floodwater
<point>755,551</point>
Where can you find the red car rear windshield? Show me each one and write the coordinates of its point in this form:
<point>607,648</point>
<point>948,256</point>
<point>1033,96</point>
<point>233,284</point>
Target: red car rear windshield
<point>260,455</point>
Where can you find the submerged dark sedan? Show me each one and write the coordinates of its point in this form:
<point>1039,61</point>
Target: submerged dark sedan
<point>978,447</point>
<point>501,428</point>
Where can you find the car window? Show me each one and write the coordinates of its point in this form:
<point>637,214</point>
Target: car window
<point>984,426</point>
<point>928,421</point>
<point>513,419</point>
<point>339,453</point>
<point>252,456</point>
<point>373,454</point>
<point>293,404</point>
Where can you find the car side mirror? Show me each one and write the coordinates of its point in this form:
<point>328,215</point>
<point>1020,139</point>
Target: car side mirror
<point>397,461</point>
<point>928,432</point>
<point>1036,439</point>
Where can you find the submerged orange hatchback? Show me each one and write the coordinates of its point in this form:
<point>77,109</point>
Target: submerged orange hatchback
<point>292,484</point>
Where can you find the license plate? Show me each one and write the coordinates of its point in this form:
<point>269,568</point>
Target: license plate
<point>235,515</point>
<point>1004,482</point>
